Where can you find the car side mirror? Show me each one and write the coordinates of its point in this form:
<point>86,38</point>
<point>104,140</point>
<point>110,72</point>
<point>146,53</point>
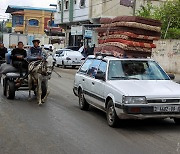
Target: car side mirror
<point>171,76</point>
<point>100,76</point>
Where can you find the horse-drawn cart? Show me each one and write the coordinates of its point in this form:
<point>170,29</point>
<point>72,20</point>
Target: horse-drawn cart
<point>39,72</point>
<point>12,83</point>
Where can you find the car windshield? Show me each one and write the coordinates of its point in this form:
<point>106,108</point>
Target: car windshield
<point>60,51</point>
<point>135,70</point>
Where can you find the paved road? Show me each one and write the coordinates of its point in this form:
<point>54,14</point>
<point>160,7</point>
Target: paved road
<point>60,127</point>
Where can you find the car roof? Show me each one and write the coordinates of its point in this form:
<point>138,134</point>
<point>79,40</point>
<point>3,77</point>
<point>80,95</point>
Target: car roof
<point>63,49</point>
<point>108,58</point>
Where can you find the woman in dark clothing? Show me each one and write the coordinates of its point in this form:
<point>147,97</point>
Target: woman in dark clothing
<point>18,56</point>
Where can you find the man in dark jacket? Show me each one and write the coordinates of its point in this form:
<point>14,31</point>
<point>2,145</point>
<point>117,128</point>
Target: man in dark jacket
<point>17,56</point>
<point>3,51</point>
<point>35,52</point>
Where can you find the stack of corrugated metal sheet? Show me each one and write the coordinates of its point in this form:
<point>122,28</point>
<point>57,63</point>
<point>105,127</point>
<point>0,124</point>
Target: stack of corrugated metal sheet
<point>128,36</point>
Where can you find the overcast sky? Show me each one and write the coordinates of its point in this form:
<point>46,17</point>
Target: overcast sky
<point>36,3</point>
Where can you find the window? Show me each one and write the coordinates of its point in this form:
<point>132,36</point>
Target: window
<point>17,20</point>
<point>66,5</point>
<point>82,3</point>
<point>102,67</point>
<point>59,5</point>
<point>86,65</point>
<point>33,22</point>
<point>93,68</point>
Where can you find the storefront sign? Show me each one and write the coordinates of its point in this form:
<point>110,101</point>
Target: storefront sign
<point>76,30</point>
<point>88,34</point>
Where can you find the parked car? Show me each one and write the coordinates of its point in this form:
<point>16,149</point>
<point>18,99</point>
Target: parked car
<point>127,89</point>
<point>67,57</point>
<point>75,48</point>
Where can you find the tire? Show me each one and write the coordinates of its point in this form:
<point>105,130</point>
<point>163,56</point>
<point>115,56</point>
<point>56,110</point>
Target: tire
<point>177,121</point>
<point>83,104</point>
<point>112,118</point>
<point>4,86</point>
<point>10,90</point>
<point>57,65</point>
<point>63,65</point>
<point>44,90</point>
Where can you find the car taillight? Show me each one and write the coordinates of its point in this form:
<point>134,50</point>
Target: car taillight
<point>83,59</point>
<point>68,58</point>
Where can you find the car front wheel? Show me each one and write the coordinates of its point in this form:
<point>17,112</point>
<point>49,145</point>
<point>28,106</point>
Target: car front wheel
<point>111,115</point>
<point>63,65</point>
<point>83,105</point>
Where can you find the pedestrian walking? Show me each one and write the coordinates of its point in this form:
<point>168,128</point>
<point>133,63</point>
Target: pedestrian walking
<point>3,51</point>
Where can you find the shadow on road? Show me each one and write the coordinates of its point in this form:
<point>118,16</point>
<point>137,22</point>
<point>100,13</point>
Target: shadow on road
<point>131,125</point>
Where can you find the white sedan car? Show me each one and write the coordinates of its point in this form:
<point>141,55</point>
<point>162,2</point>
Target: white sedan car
<point>127,89</point>
<point>67,57</point>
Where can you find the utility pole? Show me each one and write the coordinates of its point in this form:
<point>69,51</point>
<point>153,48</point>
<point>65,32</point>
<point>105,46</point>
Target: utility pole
<point>26,24</point>
<point>50,30</point>
<point>134,7</point>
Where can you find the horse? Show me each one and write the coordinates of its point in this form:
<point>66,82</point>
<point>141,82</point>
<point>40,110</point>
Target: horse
<point>39,73</point>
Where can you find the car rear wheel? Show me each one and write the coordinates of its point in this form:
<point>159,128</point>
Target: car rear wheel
<point>83,104</point>
<point>177,121</point>
<point>111,115</point>
<point>63,65</point>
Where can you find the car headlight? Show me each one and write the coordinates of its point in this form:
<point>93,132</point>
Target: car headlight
<point>134,100</point>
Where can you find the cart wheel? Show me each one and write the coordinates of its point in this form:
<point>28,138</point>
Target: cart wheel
<point>4,86</point>
<point>10,90</point>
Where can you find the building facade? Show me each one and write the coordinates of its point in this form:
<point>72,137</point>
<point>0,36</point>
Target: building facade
<point>32,20</point>
<point>71,13</point>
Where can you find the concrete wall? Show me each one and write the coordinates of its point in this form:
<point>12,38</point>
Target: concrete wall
<point>167,54</point>
<point>108,8</point>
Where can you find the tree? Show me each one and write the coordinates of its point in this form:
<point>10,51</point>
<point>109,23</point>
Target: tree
<point>168,13</point>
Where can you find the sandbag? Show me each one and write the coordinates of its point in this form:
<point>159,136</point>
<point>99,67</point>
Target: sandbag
<point>129,43</point>
<point>105,20</point>
<point>138,31</point>
<point>134,25</point>
<point>137,19</point>
<point>7,68</point>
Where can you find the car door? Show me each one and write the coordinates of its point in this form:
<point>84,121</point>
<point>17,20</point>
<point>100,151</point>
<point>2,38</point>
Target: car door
<point>90,93</point>
<point>98,87</point>
<point>60,58</point>
<point>81,78</point>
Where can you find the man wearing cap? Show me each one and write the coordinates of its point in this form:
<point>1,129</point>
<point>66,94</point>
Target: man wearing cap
<point>35,52</point>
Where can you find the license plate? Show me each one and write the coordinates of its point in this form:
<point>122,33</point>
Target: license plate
<point>171,108</point>
<point>76,62</point>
